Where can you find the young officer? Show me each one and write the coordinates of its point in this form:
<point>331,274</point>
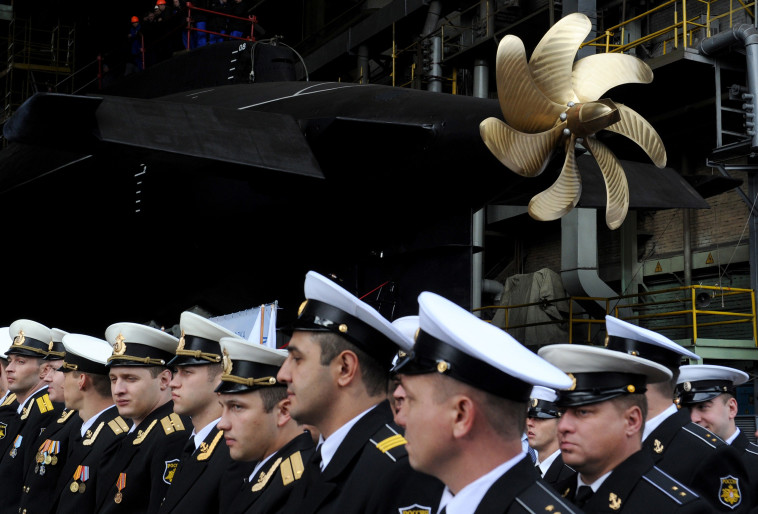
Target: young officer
<point>258,427</point>
<point>542,429</point>
<point>140,469</point>
<point>87,390</point>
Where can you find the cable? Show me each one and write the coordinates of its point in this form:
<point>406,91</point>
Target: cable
<point>274,41</point>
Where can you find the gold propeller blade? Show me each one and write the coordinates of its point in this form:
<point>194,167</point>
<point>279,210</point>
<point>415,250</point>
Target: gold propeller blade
<point>616,186</point>
<point>595,74</point>
<point>637,128</point>
<point>552,60</point>
<point>524,106</point>
<point>524,154</point>
<point>563,195</point>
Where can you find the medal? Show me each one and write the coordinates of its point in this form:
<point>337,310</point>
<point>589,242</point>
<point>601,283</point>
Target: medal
<point>42,470</point>
<point>54,460</point>
<point>121,483</point>
<point>48,459</point>
<point>118,497</point>
<point>83,488</point>
<point>74,487</point>
<point>16,446</point>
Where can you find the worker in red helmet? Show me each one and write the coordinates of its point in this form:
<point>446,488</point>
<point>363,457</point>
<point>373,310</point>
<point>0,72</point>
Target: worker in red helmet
<point>160,10</point>
<point>135,42</point>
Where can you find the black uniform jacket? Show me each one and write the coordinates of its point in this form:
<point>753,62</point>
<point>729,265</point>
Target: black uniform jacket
<point>368,473</point>
<point>269,491</point>
<point>749,453</point>
<point>520,491</point>
<point>40,490</point>
<point>700,460</point>
<point>141,467</point>
<point>197,483</point>
<point>638,486</point>
<point>8,416</point>
<point>36,415</point>
<point>557,471</point>
<point>86,457</point>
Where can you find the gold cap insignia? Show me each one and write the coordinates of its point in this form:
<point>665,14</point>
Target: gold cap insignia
<point>535,401</point>
<point>50,346</point>
<point>416,333</point>
<point>19,339</point>
<point>227,363</point>
<point>687,386</point>
<point>301,308</point>
<point>443,366</point>
<point>631,388</point>
<point>401,354</point>
<point>119,347</point>
<point>181,342</point>
<point>342,328</point>
<point>607,340</point>
<point>573,382</point>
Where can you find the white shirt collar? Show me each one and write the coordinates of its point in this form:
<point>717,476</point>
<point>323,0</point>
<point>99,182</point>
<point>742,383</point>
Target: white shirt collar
<point>468,498</point>
<point>733,436</point>
<point>203,433</point>
<point>594,485</point>
<point>330,445</point>
<point>653,423</point>
<point>88,424</point>
<point>22,405</point>
<point>7,393</point>
<point>545,464</point>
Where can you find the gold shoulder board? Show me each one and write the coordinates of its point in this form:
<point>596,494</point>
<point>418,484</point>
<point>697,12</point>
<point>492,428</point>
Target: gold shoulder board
<point>11,398</point>
<point>265,477</point>
<point>91,439</point>
<point>66,414</point>
<point>118,425</point>
<point>292,468</point>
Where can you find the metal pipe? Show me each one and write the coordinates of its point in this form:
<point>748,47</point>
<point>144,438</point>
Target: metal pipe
<point>747,35</point>
<point>435,73</point>
<point>481,90</point>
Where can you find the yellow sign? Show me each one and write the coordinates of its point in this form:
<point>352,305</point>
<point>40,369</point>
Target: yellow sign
<point>709,260</point>
<point>658,267</point>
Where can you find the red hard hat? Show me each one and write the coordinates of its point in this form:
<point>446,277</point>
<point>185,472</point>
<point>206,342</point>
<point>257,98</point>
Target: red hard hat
<point>161,2</point>
<point>135,19</point>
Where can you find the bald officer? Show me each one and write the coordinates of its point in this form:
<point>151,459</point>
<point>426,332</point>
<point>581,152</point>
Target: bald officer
<point>600,434</point>
<point>467,384</point>
<point>688,452</point>
<point>141,467</point>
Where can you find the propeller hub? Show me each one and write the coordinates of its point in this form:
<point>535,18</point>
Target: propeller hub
<point>585,119</point>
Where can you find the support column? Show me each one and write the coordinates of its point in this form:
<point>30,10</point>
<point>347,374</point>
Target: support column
<point>481,90</point>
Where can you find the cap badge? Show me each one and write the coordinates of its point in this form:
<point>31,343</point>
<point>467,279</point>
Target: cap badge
<point>657,446</point>
<point>415,334</point>
<point>687,386</point>
<point>119,347</point>
<point>535,401</point>
<point>181,342</point>
<point>630,388</point>
<point>443,366</point>
<point>401,354</point>
<point>607,340</point>
<point>573,382</point>
<point>614,502</point>
<point>342,328</point>
<point>50,346</point>
<point>227,363</point>
<point>301,308</point>
<point>19,339</point>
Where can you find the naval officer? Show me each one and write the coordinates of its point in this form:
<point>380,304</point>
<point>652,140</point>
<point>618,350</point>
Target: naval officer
<point>688,452</point>
<point>467,384</point>
<point>258,427</point>
<point>26,372</point>
<point>197,372</point>
<point>600,434</point>
<point>8,403</point>
<point>87,390</point>
<point>142,465</point>
<point>542,430</point>
<point>709,391</point>
<point>40,491</point>
<point>337,374</point>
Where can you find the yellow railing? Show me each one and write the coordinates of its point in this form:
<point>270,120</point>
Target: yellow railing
<point>681,30</point>
<point>679,308</point>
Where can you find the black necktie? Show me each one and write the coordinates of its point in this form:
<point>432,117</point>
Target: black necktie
<point>189,448</point>
<point>582,495</point>
<point>316,460</point>
<point>539,469</point>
